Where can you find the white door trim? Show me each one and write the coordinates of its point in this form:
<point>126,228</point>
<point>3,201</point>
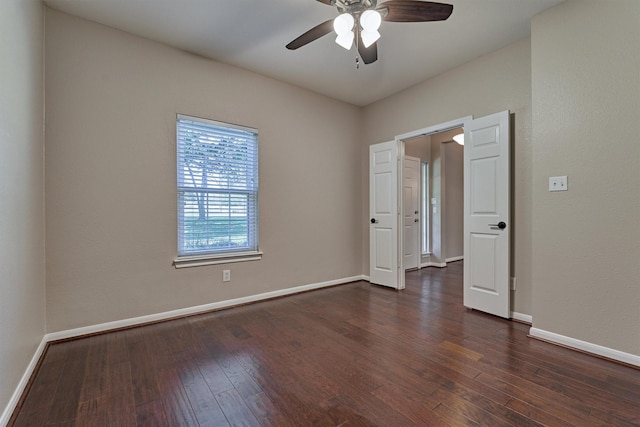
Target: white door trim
<point>442,127</point>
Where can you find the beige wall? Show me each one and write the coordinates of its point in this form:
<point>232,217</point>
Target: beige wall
<point>420,147</point>
<point>22,291</point>
<point>111,102</point>
<point>494,82</point>
<point>586,110</point>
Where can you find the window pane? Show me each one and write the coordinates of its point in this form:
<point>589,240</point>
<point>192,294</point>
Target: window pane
<point>425,208</point>
<point>215,221</point>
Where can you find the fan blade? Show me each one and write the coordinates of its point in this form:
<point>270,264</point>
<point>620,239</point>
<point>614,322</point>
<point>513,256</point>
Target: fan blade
<point>415,11</point>
<point>368,54</point>
<point>311,35</point>
<point>329,2</point>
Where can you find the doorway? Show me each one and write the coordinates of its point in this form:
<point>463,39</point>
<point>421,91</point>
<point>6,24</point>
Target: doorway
<point>433,225</point>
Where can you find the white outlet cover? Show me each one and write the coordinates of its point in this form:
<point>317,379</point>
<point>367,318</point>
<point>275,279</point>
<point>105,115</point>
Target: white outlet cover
<point>558,183</point>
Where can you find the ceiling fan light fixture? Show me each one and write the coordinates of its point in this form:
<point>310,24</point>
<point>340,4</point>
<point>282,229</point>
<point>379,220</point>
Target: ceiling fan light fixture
<point>345,40</point>
<point>370,20</point>
<point>459,138</point>
<point>343,26</point>
<point>369,37</point>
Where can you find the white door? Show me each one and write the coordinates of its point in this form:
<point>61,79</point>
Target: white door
<point>411,213</point>
<point>486,218</point>
<point>383,210</point>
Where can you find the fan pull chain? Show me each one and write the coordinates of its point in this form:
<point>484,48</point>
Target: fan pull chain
<point>358,51</point>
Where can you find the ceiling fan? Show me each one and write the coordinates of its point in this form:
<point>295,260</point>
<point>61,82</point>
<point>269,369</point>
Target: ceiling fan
<point>359,20</point>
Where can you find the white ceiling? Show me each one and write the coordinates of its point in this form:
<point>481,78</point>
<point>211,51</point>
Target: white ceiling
<point>252,34</point>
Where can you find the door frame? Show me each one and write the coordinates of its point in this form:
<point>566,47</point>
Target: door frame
<point>429,130</point>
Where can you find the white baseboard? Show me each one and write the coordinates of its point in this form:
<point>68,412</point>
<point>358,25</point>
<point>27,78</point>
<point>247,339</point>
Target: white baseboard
<point>71,333</point>
<point>525,318</point>
<point>22,385</point>
<point>585,346</point>
<point>433,264</point>
<point>454,258</point>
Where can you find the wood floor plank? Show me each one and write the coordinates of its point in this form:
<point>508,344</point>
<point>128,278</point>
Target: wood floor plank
<point>152,413</point>
<point>142,363</point>
<point>297,398</point>
<point>575,413</point>
<point>66,400</point>
<point>35,408</point>
<point>537,414</point>
<point>453,416</point>
<point>351,355</point>
<point>177,406</point>
<point>417,405</point>
<point>612,418</point>
<point>236,410</point>
<point>373,410</point>
<point>91,412</point>
<point>213,375</point>
<point>265,410</point>
<point>343,415</point>
<point>120,403</point>
<point>205,407</point>
<point>92,407</point>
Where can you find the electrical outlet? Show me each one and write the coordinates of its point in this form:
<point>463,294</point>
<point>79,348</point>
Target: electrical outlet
<point>558,183</point>
<point>226,275</point>
<point>513,283</point>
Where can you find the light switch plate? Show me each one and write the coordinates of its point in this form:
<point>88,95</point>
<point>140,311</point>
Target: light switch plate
<point>558,183</point>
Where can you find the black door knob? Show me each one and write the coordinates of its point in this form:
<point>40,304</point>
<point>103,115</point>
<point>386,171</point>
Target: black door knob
<point>373,220</point>
<point>501,225</point>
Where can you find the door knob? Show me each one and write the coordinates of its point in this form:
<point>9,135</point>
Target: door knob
<point>416,220</point>
<point>374,221</point>
<point>501,225</point>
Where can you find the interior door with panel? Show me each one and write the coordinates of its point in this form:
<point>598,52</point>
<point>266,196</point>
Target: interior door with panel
<point>383,214</point>
<point>487,222</point>
<point>411,213</point>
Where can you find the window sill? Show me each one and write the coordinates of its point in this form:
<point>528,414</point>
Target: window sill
<point>201,260</point>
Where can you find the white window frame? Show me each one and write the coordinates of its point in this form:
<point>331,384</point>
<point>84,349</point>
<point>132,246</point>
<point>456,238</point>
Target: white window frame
<point>212,255</point>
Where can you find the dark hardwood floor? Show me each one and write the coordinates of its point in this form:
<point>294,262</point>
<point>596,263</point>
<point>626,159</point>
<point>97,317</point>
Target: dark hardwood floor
<point>352,355</point>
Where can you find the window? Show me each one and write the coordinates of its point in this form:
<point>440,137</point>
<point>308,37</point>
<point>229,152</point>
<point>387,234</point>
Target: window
<point>217,174</point>
<point>424,221</point>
